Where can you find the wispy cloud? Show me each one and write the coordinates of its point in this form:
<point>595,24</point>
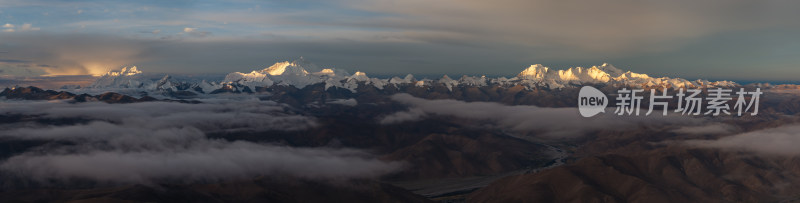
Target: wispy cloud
<point>552,122</point>
<point>8,28</point>
<point>13,61</point>
<point>28,27</point>
<point>24,27</point>
<point>212,116</point>
<point>774,141</point>
<point>195,33</point>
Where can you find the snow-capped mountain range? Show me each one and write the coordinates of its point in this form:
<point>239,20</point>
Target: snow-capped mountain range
<point>300,73</point>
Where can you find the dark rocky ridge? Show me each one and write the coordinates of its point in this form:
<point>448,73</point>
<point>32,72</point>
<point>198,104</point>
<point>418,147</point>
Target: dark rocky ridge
<point>35,93</point>
<point>256,190</point>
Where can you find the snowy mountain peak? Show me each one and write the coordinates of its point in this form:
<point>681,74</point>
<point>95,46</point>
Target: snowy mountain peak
<point>285,67</point>
<point>164,84</point>
<point>125,78</point>
<point>409,77</point>
<point>610,69</point>
<point>359,76</point>
<point>300,73</point>
<point>448,82</point>
<point>326,71</point>
<point>632,75</point>
<point>538,75</point>
<point>534,71</point>
<point>164,80</point>
<point>595,74</point>
<point>124,72</point>
<point>602,73</point>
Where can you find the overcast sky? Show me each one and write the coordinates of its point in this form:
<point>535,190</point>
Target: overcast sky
<point>730,39</point>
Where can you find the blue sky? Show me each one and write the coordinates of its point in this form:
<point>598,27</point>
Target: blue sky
<point>740,40</point>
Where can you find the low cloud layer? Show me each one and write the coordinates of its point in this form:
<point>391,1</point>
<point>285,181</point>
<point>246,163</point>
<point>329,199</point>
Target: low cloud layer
<point>776,141</point>
<point>557,122</point>
<point>186,156</point>
<point>159,141</point>
<point>211,116</point>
